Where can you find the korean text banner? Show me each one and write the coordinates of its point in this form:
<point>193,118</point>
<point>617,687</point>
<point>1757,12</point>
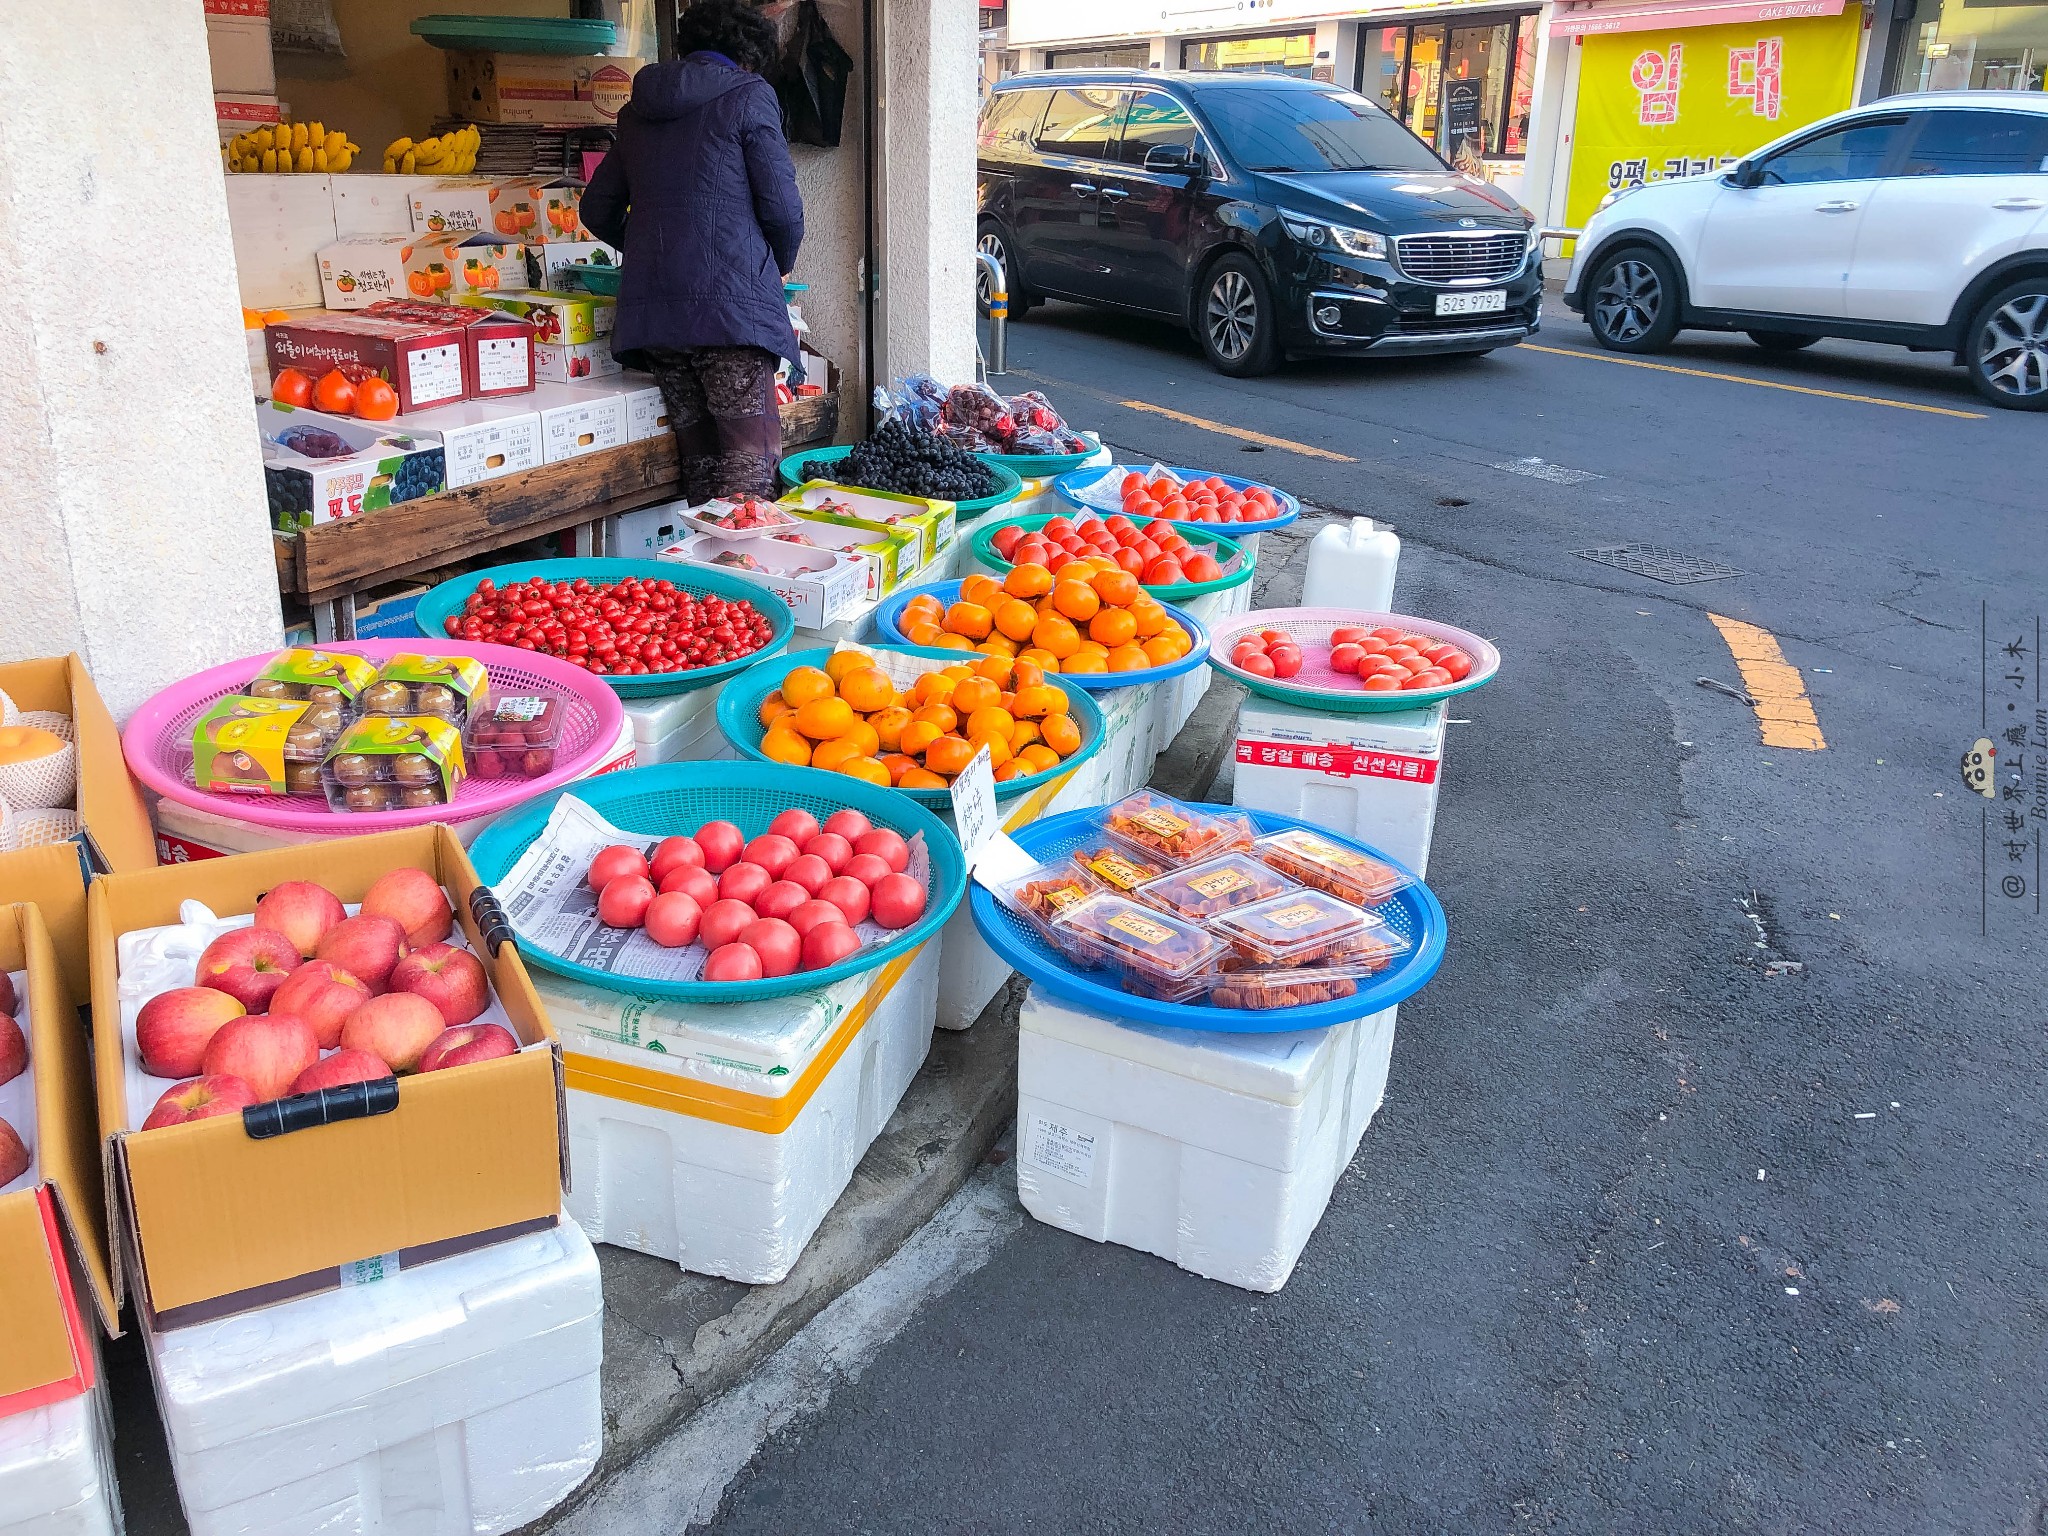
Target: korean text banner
<point>1658,104</point>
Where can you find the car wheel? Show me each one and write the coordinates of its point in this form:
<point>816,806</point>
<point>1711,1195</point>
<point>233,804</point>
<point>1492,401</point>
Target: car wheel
<point>2006,347</point>
<point>1234,319</point>
<point>1633,301</point>
<point>1782,341</point>
<point>993,242</point>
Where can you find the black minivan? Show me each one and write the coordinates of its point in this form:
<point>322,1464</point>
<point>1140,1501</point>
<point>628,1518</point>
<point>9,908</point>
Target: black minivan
<point>1272,216</point>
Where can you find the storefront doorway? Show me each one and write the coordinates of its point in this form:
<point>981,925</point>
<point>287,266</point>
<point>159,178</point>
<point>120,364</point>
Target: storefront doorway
<point>1465,88</point>
<point>1974,45</point>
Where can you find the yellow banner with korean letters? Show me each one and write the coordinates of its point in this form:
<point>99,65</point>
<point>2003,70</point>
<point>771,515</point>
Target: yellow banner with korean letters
<point>1658,104</point>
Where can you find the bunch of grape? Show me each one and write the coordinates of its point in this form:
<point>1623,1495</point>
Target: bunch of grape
<point>291,499</point>
<point>909,462</point>
<point>420,474</point>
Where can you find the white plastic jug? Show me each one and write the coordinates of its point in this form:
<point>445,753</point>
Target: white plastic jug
<point>1352,565</point>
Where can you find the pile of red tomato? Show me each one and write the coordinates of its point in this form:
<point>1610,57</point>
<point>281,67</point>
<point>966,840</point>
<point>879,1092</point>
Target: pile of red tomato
<point>1269,653</point>
<point>1213,500</point>
<point>1387,659</point>
<point>622,628</point>
<point>788,901</point>
<point>1156,554</point>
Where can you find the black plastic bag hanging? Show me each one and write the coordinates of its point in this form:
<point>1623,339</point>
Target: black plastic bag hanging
<point>811,80</point>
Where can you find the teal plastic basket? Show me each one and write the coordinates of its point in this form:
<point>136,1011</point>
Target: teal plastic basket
<point>440,603</point>
<point>597,277</point>
<point>1225,550</point>
<point>793,476</point>
<point>678,798</point>
<point>1037,466</point>
<point>739,717</point>
<point>515,34</point>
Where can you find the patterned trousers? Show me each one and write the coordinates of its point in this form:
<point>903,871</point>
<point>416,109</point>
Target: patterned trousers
<point>722,409</point>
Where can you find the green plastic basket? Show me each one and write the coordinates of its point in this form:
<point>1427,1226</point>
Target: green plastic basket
<point>679,798</point>
<point>1225,550</point>
<point>1037,466</point>
<point>739,717</point>
<point>793,476</point>
<point>597,278</point>
<point>438,604</point>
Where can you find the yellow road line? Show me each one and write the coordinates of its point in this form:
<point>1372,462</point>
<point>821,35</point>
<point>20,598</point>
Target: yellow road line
<point>1736,378</point>
<point>1783,712</point>
<point>1239,432</point>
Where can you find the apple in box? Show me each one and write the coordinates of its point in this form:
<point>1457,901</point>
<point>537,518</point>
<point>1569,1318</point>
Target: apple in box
<point>422,361</point>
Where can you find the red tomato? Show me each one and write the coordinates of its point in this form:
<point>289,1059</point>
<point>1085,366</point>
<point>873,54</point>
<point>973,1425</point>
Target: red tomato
<point>796,825</point>
<point>615,863</point>
<point>773,852</point>
<point>722,843</point>
<point>673,853</point>
<point>812,913</point>
<point>744,882</point>
<point>1388,633</point>
<point>849,894</point>
<point>1345,658</point>
<point>1260,665</point>
<point>781,899</point>
<point>867,868</point>
<point>623,902</point>
<point>828,944</point>
<point>1286,661</point>
<point>848,823</point>
<point>780,946</point>
<point>1459,665</point>
<point>292,388</point>
<point>888,846</point>
<point>700,885</point>
<point>1162,572</point>
<point>733,962</point>
<point>1348,634</point>
<point>808,871</point>
<point>1006,540</point>
<point>898,901</point>
<point>1202,567</point>
<point>1429,677</point>
<point>1381,682</point>
<point>1415,666</point>
<point>723,921</point>
<point>672,919</point>
<point>832,848</point>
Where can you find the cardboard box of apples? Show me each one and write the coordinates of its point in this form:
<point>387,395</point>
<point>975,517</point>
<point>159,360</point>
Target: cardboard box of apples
<point>312,1057</point>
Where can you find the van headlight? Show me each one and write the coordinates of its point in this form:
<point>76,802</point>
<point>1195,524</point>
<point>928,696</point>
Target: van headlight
<point>1319,236</point>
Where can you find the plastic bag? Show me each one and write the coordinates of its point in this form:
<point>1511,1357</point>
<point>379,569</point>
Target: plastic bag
<point>977,418</point>
<point>810,80</point>
<point>305,26</point>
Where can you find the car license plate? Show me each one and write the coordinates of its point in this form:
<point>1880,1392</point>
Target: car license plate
<point>1492,301</point>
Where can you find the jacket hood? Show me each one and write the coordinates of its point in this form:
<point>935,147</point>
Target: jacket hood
<point>682,85</point>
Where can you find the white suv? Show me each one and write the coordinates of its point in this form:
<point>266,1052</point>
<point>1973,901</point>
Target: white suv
<point>1916,219</point>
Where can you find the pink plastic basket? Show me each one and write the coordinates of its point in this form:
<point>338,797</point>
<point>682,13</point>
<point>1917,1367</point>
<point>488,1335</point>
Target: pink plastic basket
<point>1319,685</point>
<point>590,727</point>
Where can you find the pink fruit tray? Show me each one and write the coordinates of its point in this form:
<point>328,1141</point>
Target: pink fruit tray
<point>1319,685</point>
<point>590,727</point>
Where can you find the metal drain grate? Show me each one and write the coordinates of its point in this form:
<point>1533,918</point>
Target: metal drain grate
<point>1659,564</point>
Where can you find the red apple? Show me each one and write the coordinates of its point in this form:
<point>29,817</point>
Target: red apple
<point>13,1155</point>
<point>451,979</point>
<point>396,1028</point>
<point>414,900</point>
<point>828,944</point>
<point>200,1099</point>
<point>623,903</point>
<point>13,1049</point>
<point>265,1050</point>
<point>301,911</point>
<point>700,885</point>
<point>672,919</point>
<point>249,964</point>
<point>173,1028</point>
<point>9,1003</point>
<point>368,948</point>
<point>321,993</point>
<point>341,1067</point>
<point>460,1046</point>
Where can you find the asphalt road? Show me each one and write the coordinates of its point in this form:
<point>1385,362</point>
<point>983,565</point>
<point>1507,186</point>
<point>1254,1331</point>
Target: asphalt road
<point>1646,1237</point>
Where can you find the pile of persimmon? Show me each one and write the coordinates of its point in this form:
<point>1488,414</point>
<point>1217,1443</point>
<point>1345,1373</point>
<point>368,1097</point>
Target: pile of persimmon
<point>1157,554</point>
<point>1088,616</point>
<point>848,717</point>
<point>1212,500</point>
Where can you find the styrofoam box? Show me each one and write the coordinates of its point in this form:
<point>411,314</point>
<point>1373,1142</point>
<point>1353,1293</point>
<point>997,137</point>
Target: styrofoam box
<point>1372,777</point>
<point>458,1398</point>
<point>676,727</point>
<point>187,832</point>
<point>57,1469</point>
<point>575,421</point>
<point>480,439</point>
<point>1217,1152</point>
<point>724,1199</point>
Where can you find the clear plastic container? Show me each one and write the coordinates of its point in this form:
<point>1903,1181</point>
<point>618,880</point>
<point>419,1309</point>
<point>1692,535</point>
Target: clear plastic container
<point>1317,861</point>
<point>1116,866</point>
<point>1172,833</point>
<point>451,688</point>
<point>1265,987</point>
<point>516,737</point>
<point>1300,926</point>
<point>251,745</point>
<point>1156,948</point>
<point>1215,886</point>
<point>393,762</point>
<point>1043,893</point>
<point>316,676</point>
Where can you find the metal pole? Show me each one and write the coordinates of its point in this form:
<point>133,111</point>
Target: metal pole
<point>998,313</point>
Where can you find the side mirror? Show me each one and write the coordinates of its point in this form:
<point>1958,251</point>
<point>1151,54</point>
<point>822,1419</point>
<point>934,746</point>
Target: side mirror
<point>1744,174</point>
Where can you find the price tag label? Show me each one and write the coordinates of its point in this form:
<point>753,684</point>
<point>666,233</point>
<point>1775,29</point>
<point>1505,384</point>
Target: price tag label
<point>974,805</point>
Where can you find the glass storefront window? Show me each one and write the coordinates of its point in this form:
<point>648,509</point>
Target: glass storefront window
<point>1968,45</point>
<point>1122,56</point>
<point>1290,53</point>
<point>1466,91</point>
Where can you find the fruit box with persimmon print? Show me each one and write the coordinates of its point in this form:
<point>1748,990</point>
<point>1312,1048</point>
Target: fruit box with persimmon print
<point>359,270</point>
<point>289,1198</point>
<point>422,361</point>
<point>53,1231</point>
<point>319,467</point>
<point>504,210</point>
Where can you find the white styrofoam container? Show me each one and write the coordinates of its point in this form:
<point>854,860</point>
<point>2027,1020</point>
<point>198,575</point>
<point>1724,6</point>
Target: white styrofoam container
<point>676,727</point>
<point>187,832</point>
<point>57,1469</point>
<point>1217,1152</point>
<point>279,224</point>
<point>724,1199</point>
<point>1372,777</point>
<point>457,1398</point>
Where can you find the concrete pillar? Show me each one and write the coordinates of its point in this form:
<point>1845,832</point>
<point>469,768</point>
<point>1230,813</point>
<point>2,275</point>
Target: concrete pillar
<point>133,518</point>
<point>928,116</point>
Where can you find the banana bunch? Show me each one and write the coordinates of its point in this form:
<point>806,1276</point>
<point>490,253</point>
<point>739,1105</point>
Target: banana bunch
<point>291,147</point>
<point>452,154</point>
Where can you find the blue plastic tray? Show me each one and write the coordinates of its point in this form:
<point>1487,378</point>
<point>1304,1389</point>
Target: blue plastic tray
<point>1414,912</point>
<point>948,592</point>
<point>1290,509</point>
<point>435,607</point>
<point>679,798</point>
<point>1009,484</point>
<point>739,717</point>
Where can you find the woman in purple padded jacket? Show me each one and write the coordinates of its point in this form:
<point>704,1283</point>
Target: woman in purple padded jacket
<point>700,195</point>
